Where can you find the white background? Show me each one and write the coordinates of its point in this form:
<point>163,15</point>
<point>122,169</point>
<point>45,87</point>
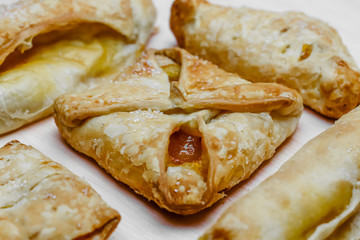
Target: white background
<point>145,220</point>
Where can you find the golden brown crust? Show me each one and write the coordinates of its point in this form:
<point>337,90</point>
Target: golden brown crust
<point>43,200</point>
<point>201,85</point>
<point>311,196</point>
<point>261,46</point>
<point>126,126</point>
<point>183,12</point>
<point>26,19</point>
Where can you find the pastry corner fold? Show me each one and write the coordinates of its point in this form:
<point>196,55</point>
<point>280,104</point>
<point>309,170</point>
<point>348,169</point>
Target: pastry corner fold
<point>314,195</point>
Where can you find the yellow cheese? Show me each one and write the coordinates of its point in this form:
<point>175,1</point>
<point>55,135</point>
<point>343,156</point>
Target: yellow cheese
<point>30,83</point>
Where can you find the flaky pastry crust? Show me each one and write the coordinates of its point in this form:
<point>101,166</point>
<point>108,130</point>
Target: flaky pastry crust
<point>133,127</point>
<point>261,46</point>
<point>314,195</point>
<point>28,18</point>
<point>49,47</point>
<point>40,199</point>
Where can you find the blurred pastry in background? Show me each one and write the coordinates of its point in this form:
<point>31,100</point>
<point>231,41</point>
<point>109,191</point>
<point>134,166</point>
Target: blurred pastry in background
<point>51,47</point>
<point>290,48</point>
<point>178,129</point>
<point>40,199</point>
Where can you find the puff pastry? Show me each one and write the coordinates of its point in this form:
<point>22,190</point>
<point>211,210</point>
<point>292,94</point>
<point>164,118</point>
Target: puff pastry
<point>261,46</point>
<point>178,129</point>
<point>40,199</point>
<point>315,194</point>
<point>49,47</point>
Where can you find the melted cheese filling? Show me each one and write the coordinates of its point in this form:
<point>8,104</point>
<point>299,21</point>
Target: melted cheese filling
<point>60,62</point>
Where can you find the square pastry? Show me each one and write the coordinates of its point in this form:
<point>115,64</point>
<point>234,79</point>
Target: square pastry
<point>178,129</point>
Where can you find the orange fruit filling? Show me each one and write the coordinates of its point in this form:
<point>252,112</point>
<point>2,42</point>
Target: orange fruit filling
<point>184,148</point>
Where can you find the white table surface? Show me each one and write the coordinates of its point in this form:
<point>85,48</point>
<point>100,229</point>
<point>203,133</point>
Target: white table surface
<point>145,220</point>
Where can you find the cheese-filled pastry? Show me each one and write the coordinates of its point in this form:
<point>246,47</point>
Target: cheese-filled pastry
<point>49,47</point>
<point>178,129</point>
<point>262,46</point>
<point>40,199</point>
<point>314,195</point>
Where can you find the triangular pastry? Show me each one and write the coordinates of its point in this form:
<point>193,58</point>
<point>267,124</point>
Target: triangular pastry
<point>178,129</point>
<point>50,47</point>
<point>40,199</point>
<point>262,46</point>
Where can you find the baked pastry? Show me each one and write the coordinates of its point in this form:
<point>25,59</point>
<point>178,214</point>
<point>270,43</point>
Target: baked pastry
<point>348,230</point>
<point>40,199</point>
<point>262,46</point>
<point>178,129</point>
<point>312,196</point>
<point>49,47</point>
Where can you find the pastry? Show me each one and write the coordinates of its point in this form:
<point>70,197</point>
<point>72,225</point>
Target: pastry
<point>348,230</point>
<point>314,195</point>
<point>49,47</point>
<point>40,199</point>
<point>178,129</point>
<point>262,46</point>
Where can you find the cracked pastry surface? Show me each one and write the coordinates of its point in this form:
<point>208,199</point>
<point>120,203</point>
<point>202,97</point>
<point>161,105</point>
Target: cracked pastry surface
<point>178,129</point>
<point>314,195</point>
<point>262,46</point>
<point>40,199</point>
<point>51,47</point>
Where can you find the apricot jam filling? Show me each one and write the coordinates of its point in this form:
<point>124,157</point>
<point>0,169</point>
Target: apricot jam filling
<point>171,68</point>
<point>305,51</point>
<point>184,148</point>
